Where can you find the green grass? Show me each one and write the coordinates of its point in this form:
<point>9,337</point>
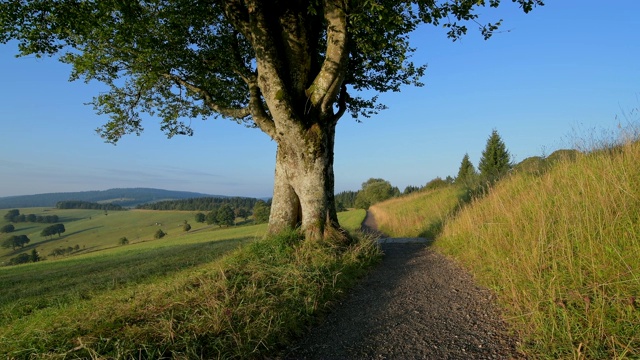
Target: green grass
<point>92,230</point>
<point>181,296</point>
<point>352,220</point>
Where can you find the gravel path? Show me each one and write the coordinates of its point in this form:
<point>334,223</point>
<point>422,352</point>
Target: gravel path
<point>415,304</point>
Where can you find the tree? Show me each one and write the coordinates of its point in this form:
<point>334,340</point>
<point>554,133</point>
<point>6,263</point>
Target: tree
<point>467,172</point>
<point>35,257</point>
<point>374,191</point>
<point>16,241</point>
<point>186,227</point>
<point>7,228</point>
<point>436,183</point>
<point>20,259</point>
<point>9,243</point>
<point>225,216</point>
<point>410,189</point>
<point>59,229</point>
<point>159,234</point>
<point>495,161</point>
<point>289,68</point>
<point>200,217</point>
<point>241,213</point>
<point>123,241</point>
<point>212,217</point>
<point>261,212</point>
<point>52,230</point>
<point>11,214</point>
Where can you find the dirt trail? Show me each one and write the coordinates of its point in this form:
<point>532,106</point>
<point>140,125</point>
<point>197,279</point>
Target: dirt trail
<point>415,304</point>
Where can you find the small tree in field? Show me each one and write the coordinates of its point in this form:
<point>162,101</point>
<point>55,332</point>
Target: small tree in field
<point>496,160</point>
<point>186,227</point>
<point>7,228</point>
<point>212,217</point>
<point>200,217</point>
<point>467,172</point>
<point>225,216</point>
<point>35,257</point>
<point>159,234</point>
<point>123,241</point>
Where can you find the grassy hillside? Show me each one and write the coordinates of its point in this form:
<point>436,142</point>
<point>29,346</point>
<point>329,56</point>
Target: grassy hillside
<point>561,250</point>
<point>92,230</point>
<point>419,214</point>
<point>180,296</point>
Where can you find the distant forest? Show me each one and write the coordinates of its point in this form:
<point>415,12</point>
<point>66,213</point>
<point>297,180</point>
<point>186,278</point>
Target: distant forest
<point>126,197</point>
<point>201,204</point>
<point>73,204</point>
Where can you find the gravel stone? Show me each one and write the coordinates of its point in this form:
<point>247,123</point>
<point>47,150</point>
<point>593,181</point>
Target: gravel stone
<point>416,304</point>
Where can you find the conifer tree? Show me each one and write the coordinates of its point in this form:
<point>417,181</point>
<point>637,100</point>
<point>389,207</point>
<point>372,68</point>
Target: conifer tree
<point>496,160</point>
<point>467,172</point>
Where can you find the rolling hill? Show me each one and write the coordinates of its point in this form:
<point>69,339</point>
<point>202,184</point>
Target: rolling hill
<point>127,197</point>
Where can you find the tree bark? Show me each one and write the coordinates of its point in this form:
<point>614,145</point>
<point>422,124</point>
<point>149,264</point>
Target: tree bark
<point>300,98</point>
<point>304,182</point>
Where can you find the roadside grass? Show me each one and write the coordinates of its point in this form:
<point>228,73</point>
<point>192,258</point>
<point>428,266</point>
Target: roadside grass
<point>177,298</point>
<point>560,247</point>
<point>562,251</point>
<point>419,214</point>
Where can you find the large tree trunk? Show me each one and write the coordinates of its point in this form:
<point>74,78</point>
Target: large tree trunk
<point>304,181</point>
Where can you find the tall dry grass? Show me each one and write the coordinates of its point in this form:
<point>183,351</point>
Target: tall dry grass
<point>562,250</point>
<point>418,214</point>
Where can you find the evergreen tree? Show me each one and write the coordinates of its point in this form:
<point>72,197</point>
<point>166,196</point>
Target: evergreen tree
<point>34,256</point>
<point>467,172</point>
<point>496,160</point>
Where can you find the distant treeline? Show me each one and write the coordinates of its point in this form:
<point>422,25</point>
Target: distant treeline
<point>14,216</point>
<point>201,204</point>
<point>76,204</point>
<point>128,197</point>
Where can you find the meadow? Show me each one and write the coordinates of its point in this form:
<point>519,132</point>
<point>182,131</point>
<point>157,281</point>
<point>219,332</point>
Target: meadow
<point>115,300</point>
<point>560,248</point>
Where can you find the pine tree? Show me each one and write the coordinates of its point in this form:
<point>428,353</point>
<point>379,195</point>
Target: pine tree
<point>496,160</point>
<point>467,172</point>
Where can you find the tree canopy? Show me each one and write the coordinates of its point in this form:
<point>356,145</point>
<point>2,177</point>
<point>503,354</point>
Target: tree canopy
<point>374,191</point>
<point>291,68</point>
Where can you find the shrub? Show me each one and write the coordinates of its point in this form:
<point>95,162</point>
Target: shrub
<point>159,234</point>
<point>123,241</point>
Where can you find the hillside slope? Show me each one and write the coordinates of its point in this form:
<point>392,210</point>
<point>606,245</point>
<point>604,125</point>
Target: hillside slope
<point>561,249</point>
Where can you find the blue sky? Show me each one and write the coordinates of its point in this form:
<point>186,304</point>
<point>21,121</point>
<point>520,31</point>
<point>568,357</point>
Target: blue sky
<point>563,72</point>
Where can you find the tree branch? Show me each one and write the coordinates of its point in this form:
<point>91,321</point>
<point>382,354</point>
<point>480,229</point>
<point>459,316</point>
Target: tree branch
<point>258,112</point>
<point>237,14</point>
<point>328,82</point>
<point>342,103</point>
<point>236,113</point>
